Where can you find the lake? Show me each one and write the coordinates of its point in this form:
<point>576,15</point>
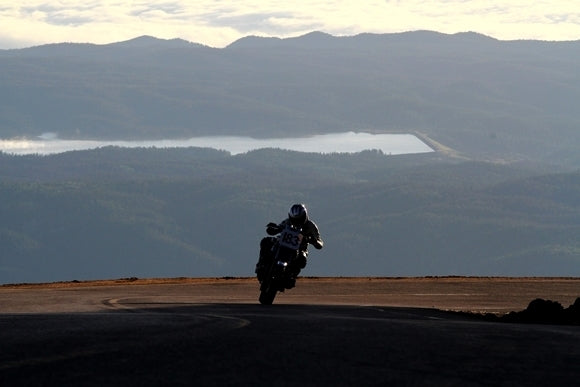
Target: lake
<point>348,142</point>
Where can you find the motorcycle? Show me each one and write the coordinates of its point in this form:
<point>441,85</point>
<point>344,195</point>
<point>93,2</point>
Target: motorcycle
<point>279,275</point>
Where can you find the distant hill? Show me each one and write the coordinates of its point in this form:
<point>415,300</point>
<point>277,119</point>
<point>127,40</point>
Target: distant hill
<point>487,99</point>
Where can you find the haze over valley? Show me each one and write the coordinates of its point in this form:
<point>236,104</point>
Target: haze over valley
<point>499,196</point>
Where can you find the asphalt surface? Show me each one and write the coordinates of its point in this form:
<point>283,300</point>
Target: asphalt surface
<point>155,335</point>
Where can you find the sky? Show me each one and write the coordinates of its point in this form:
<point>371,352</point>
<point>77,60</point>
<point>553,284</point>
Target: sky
<point>217,23</point>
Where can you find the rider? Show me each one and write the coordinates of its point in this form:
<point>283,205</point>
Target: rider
<point>297,216</point>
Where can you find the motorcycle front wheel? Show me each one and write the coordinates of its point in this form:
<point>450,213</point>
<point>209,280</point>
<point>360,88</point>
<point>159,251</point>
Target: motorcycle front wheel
<point>267,295</point>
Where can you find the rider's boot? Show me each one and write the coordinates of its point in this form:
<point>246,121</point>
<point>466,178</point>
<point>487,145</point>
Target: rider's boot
<point>291,281</point>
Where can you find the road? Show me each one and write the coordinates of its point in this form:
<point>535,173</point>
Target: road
<point>326,332</point>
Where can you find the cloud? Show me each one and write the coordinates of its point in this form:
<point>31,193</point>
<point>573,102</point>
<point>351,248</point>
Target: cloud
<point>268,23</point>
<point>218,23</point>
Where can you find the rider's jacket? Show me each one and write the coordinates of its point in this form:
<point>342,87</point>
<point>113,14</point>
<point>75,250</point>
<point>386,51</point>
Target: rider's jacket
<point>309,230</point>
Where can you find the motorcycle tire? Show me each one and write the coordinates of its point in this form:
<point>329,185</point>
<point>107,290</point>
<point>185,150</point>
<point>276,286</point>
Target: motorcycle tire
<point>267,295</point>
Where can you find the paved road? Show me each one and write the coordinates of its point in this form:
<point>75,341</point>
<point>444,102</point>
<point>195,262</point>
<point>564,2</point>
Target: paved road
<point>152,337</point>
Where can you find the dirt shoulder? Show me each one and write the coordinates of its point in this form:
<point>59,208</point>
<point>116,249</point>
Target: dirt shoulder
<point>470,294</point>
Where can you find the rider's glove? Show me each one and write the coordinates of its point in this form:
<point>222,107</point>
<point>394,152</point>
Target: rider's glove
<point>272,228</point>
<point>317,243</point>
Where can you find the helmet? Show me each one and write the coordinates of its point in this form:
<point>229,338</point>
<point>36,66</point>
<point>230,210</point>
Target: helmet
<point>298,214</point>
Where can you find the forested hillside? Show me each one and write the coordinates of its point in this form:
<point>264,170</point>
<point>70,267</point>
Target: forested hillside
<point>112,213</point>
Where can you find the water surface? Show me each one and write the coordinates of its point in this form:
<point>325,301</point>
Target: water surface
<point>348,142</point>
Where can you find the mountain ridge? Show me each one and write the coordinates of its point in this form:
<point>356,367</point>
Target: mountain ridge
<point>485,98</point>
<point>146,40</point>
